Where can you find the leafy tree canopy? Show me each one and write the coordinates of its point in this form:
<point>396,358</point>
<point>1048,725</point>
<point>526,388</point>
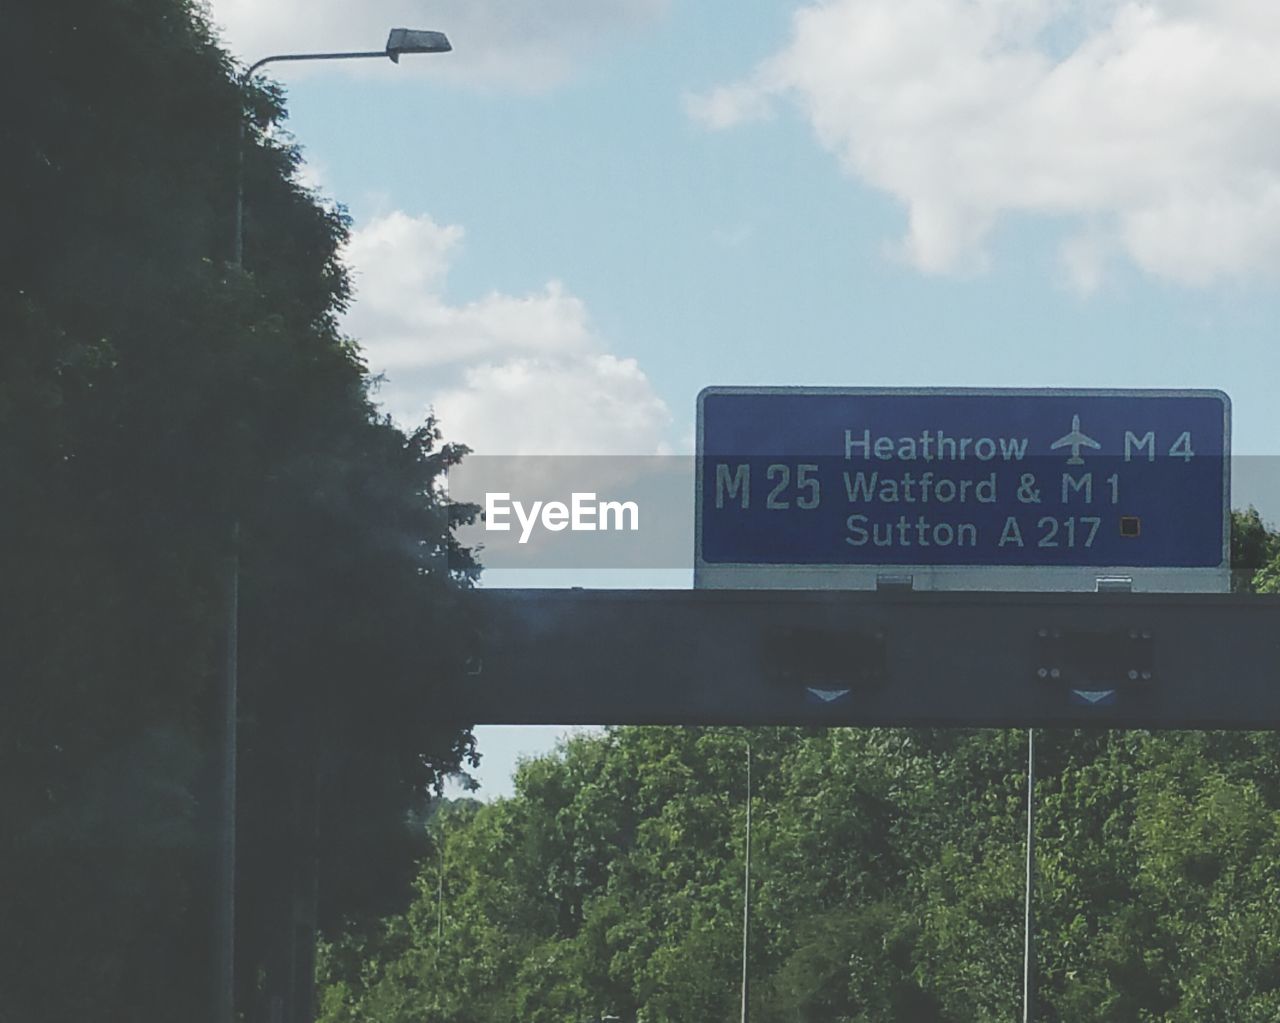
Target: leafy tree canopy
<point>153,397</point>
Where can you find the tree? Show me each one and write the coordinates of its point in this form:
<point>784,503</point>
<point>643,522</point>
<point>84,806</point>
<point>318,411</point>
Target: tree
<point>888,882</point>
<point>150,395</point>
<point>1254,549</point>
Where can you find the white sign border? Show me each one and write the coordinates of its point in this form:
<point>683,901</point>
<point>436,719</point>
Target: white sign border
<point>1000,578</point>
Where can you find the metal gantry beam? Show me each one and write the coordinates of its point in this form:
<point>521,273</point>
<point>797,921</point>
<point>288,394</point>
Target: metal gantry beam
<point>875,659</point>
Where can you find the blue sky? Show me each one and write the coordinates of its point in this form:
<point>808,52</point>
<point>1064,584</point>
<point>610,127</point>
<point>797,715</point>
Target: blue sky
<point>570,225</point>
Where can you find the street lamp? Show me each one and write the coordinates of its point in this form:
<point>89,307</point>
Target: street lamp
<point>400,41</point>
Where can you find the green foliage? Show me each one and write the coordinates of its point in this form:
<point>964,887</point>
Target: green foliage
<point>1255,553</point>
<point>150,397</point>
<point>887,883</point>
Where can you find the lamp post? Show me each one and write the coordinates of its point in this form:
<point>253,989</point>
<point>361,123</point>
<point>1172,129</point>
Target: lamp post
<point>399,42</point>
<point>746,901</point>
<point>1028,932</point>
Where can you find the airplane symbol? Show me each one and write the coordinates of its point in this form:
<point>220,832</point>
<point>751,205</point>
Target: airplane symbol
<point>1075,440</point>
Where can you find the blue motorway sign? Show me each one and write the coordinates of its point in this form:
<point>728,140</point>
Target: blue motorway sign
<point>1044,478</point>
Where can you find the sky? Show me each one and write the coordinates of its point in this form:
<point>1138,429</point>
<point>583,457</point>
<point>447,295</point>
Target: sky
<point>584,214</point>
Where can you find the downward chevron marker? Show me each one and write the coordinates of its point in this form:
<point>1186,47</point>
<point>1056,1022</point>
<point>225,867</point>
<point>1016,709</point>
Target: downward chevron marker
<point>828,695</point>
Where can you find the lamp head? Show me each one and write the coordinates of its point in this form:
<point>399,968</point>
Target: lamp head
<point>412,40</point>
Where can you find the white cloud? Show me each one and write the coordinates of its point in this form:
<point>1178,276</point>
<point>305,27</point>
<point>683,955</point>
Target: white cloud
<point>1152,123</point>
<point>593,404</point>
<point>506,374</point>
<point>526,45</point>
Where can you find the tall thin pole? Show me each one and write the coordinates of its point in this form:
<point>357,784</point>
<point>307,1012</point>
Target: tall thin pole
<point>1029,947</point>
<point>237,235</point>
<point>746,900</point>
<point>224,924</point>
<point>440,897</point>
<point>225,911</point>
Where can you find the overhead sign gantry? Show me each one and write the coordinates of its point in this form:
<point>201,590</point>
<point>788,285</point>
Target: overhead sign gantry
<point>748,657</point>
<point>823,512</point>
